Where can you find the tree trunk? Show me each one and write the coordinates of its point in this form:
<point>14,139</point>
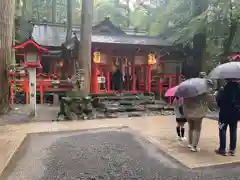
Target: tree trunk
<point>27,10</point>
<point>128,14</point>
<point>233,27</point>
<point>199,41</point>
<point>198,52</point>
<point>54,11</point>
<point>85,53</point>
<point>7,9</point>
<point>69,19</point>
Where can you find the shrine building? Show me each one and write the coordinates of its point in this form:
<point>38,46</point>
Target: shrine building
<point>149,64</point>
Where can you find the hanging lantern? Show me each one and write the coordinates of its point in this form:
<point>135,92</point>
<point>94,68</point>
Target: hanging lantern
<point>97,57</point>
<point>151,59</point>
<point>60,63</point>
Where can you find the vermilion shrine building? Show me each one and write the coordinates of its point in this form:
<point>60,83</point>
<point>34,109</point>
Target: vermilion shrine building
<point>151,63</point>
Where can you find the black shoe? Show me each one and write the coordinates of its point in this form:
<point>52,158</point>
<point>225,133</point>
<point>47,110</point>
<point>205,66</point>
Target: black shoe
<point>219,152</point>
<point>231,152</point>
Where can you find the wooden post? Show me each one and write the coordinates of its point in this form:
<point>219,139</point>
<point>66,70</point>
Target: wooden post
<point>133,77</point>
<point>85,55</point>
<point>149,78</point>
<point>94,79</point>
<point>26,87</point>
<point>54,13</point>
<point>11,94</point>
<point>41,84</point>
<point>69,19</point>
<point>170,86</point>
<point>32,89</point>
<point>108,82</point>
<point>6,32</point>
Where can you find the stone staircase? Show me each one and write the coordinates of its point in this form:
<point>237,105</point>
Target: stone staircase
<point>129,105</point>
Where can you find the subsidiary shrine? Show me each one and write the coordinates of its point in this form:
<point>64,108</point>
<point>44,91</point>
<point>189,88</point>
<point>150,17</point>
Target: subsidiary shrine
<point>147,64</point>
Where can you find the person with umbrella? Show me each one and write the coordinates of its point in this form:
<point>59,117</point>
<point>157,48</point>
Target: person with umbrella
<point>180,119</point>
<point>228,100</point>
<point>179,113</point>
<point>197,99</point>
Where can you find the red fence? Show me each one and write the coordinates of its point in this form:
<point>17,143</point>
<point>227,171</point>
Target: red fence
<point>53,84</point>
<point>45,84</point>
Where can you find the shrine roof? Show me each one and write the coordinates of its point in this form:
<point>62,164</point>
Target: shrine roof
<point>32,43</point>
<point>107,25</point>
<point>55,35</point>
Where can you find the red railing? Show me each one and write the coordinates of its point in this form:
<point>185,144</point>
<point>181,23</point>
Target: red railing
<point>163,82</point>
<point>45,84</point>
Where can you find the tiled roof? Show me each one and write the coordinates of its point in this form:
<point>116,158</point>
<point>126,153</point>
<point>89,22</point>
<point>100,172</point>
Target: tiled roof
<point>55,35</point>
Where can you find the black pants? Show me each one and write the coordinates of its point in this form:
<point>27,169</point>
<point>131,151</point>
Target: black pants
<point>117,85</point>
<point>233,135</point>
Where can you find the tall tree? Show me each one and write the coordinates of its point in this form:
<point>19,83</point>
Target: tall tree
<point>232,30</point>
<point>69,19</point>
<point>7,9</point>
<point>199,39</point>
<point>85,52</point>
<point>54,11</point>
<point>27,9</point>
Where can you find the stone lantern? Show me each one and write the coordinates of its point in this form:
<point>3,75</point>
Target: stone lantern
<point>32,60</point>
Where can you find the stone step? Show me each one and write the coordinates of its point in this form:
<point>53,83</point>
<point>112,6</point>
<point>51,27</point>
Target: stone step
<point>154,107</point>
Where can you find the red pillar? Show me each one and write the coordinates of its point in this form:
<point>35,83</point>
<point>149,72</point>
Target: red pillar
<point>41,91</point>
<point>133,78</point>
<point>149,78</point>
<point>94,79</point>
<point>108,82</point>
<point>11,93</point>
<point>26,87</point>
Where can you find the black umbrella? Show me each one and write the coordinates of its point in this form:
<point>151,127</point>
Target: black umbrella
<point>229,70</point>
<point>193,87</point>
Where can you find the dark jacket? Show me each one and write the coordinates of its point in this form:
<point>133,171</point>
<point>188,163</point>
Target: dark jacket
<point>228,100</point>
<point>117,80</point>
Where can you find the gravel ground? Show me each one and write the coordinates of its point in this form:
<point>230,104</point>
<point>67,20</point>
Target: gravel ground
<point>102,154</point>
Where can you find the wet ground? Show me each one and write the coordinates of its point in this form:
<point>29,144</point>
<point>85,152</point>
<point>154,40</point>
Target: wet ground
<point>45,113</point>
<point>113,154</point>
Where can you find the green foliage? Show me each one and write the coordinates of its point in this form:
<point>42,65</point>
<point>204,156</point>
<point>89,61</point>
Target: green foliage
<point>172,19</point>
<point>22,30</point>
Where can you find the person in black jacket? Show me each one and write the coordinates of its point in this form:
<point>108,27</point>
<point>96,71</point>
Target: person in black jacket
<point>117,78</point>
<point>228,100</point>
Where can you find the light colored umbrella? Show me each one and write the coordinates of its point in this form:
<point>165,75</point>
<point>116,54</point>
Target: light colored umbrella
<point>230,70</point>
<point>193,87</point>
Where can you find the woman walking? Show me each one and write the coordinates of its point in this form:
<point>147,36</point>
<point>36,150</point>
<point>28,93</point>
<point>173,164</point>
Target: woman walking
<point>195,109</point>
<point>180,119</point>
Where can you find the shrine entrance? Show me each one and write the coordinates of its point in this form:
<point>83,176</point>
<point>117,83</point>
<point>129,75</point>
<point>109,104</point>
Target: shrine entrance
<point>116,75</point>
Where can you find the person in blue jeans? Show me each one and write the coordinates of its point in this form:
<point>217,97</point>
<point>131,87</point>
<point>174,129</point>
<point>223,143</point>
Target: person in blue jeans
<point>228,100</point>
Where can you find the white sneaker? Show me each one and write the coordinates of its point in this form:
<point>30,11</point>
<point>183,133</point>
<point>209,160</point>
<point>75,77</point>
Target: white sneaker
<point>183,138</point>
<point>189,146</point>
<point>179,138</point>
<point>194,149</point>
